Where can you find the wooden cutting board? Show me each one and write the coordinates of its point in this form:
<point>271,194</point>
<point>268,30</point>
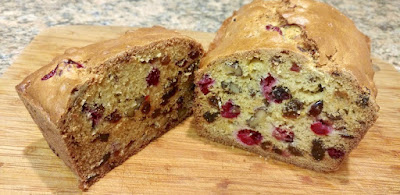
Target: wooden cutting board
<point>180,161</point>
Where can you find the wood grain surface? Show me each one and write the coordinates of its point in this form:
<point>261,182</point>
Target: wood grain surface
<point>180,161</point>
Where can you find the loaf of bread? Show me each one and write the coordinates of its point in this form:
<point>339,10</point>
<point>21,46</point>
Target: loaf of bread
<point>288,79</point>
<point>98,105</point>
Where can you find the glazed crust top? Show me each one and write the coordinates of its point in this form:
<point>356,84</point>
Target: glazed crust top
<point>340,45</point>
<point>79,66</point>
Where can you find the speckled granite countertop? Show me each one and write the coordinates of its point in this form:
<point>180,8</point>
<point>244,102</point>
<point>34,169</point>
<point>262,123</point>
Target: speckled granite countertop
<point>21,20</point>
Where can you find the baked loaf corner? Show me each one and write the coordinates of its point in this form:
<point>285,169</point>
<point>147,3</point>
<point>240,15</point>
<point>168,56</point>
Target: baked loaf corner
<point>288,79</point>
<point>98,105</point>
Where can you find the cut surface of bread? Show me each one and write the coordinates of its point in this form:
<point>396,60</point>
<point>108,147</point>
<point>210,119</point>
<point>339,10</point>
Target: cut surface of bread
<point>98,105</point>
<point>290,80</point>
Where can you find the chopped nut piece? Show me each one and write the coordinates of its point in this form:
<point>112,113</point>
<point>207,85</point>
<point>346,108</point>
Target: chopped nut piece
<point>259,116</point>
<point>234,69</point>
<point>230,87</point>
<point>113,117</point>
<point>292,109</point>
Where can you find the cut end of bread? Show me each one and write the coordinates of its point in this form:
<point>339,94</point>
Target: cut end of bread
<point>276,103</point>
<point>130,105</point>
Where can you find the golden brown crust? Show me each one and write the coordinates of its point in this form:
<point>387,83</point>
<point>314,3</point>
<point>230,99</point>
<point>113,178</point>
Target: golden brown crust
<point>341,46</point>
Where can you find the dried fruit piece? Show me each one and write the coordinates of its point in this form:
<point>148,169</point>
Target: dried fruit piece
<point>153,61</point>
<point>104,137</point>
<point>294,151</point>
<point>205,83</point>
<point>266,103</point>
<point>347,136</point>
<point>277,150</point>
<point>285,52</point>
<point>280,93</point>
<point>168,95</point>
<point>252,92</point>
<point>249,137</point>
<point>335,153</point>
<point>172,81</point>
<point>96,112</point>
<point>266,145</point>
<point>67,64</point>
<point>224,84</point>
<point>316,108</point>
<point>210,117</point>
<point>50,74</point>
<point>130,144</point>
<point>295,67</point>
<point>192,87</point>
<point>69,61</point>
<point>74,90</point>
<point>266,85</point>
<point>271,27</point>
<point>165,60</point>
<point>194,54</point>
<point>317,150</point>
<point>153,77</point>
<point>283,134</point>
<point>336,73</point>
<point>106,157</point>
<point>341,94</point>
<point>214,101</point>
<point>285,153</point>
<point>113,117</point>
<point>320,88</point>
<point>309,48</point>
<point>292,109</point>
<point>230,110</point>
<point>146,107</point>
<point>321,128</point>
<point>259,116</point>
<point>156,113</point>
